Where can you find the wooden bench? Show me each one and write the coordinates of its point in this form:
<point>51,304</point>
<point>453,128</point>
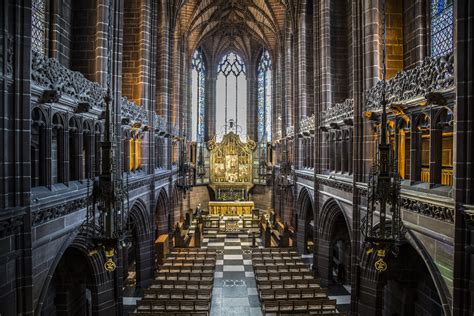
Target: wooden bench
<point>274,269</point>
<point>177,251</point>
<point>321,306</point>
<point>288,284</point>
<point>179,284</point>
<point>269,276</point>
<point>177,294</point>
<point>199,256</point>
<point>277,262</point>
<point>193,276</point>
<point>173,306</point>
<point>189,262</point>
<point>292,294</point>
<point>188,269</point>
<point>276,256</point>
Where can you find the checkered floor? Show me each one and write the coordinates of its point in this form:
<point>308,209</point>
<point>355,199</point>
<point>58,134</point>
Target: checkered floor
<point>235,289</point>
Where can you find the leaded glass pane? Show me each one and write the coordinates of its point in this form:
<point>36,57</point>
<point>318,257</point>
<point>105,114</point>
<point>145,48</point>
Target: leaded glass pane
<point>442,17</point>
<point>264,79</point>
<point>38,26</point>
<point>199,70</point>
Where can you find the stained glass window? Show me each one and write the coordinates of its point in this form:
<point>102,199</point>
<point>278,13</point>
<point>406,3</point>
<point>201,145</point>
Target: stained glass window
<point>38,26</point>
<point>199,93</point>
<point>264,89</point>
<point>442,20</point>
<point>231,96</point>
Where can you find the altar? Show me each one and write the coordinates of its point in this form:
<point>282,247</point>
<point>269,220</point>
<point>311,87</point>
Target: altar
<point>231,208</point>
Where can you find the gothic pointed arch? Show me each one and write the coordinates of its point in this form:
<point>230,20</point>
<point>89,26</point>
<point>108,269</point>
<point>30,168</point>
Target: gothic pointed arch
<point>162,212</point>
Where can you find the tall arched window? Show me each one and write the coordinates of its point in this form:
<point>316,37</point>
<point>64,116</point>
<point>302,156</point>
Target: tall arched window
<point>231,94</point>
<point>199,92</point>
<point>39,26</point>
<point>264,107</point>
<point>442,21</point>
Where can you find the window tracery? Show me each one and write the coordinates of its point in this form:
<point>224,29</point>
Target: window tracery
<point>231,88</point>
<point>442,21</point>
<point>199,92</point>
<point>264,88</point>
<point>38,26</point>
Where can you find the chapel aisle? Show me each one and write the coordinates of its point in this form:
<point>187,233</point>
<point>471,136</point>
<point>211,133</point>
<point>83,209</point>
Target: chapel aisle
<point>235,288</point>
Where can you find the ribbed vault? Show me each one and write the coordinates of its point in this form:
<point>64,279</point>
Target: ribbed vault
<point>232,24</point>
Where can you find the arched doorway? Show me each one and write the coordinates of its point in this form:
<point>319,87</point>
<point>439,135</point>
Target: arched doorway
<point>334,245</point>
<point>410,286</point>
<point>162,214</point>
<point>137,253</point>
<point>77,283</point>
<point>304,220</point>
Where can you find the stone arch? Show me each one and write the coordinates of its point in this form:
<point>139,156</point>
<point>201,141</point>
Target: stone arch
<point>418,279</point>
<point>175,206</point>
<point>162,213</point>
<point>77,278</point>
<point>334,244</point>
<point>304,220</point>
<point>137,255</point>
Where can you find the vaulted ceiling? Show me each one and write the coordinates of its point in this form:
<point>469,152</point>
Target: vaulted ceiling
<point>236,25</point>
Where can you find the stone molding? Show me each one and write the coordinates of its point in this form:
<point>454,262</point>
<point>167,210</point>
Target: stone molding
<point>435,74</point>
<point>47,214</point>
<point>439,212</point>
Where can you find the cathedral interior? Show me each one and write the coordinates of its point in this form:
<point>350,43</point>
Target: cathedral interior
<point>237,157</point>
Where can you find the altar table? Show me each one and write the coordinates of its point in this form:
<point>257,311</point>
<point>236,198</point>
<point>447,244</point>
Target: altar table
<point>231,207</point>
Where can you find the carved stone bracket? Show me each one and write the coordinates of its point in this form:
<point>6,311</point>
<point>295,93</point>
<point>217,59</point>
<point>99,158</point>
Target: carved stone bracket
<point>339,112</point>
<point>44,215</point>
<point>50,74</point>
<point>434,74</point>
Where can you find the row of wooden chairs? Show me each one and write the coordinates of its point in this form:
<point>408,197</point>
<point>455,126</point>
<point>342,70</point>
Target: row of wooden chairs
<point>173,306</point>
<point>179,284</point>
<point>322,306</point>
<point>177,251</point>
<point>193,276</point>
<point>188,269</point>
<point>189,262</point>
<point>271,276</point>
<point>274,250</point>
<point>277,262</point>
<point>183,256</point>
<point>270,269</point>
<point>178,294</point>
<point>276,256</point>
<point>288,284</point>
<point>292,294</point>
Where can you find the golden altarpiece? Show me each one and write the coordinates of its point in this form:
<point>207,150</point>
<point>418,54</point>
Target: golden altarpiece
<point>231,174</point>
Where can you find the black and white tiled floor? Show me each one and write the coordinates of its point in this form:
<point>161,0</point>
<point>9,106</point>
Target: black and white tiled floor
<point>235,289</point>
